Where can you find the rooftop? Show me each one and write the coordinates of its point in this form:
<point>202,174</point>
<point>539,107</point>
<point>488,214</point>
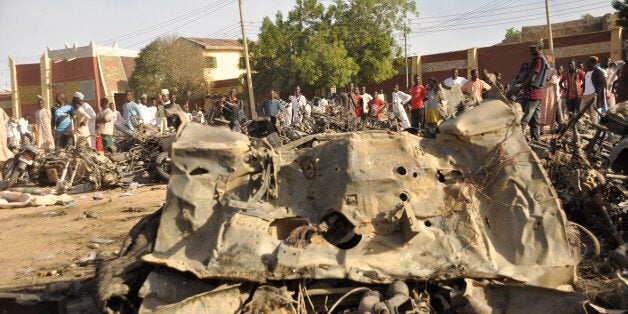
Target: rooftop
<point>215,43</point>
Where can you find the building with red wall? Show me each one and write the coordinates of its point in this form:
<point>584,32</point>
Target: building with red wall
<point>95,71</point>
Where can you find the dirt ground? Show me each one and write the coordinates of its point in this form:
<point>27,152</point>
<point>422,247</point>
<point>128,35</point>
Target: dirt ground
<point>41,245</point>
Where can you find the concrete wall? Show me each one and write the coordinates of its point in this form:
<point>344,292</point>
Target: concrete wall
<point>5,103</point>
<point>227,64</point>
<point>508,58</point>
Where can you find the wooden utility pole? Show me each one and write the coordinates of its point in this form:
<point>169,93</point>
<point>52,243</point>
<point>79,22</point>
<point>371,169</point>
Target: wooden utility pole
<point>551,36</point>
<point>405,43</point>
<point>248,65</point>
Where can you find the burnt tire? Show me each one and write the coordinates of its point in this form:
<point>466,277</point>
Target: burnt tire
<point>12,179</point>
<point>163,167</point>
<point>9,174</point>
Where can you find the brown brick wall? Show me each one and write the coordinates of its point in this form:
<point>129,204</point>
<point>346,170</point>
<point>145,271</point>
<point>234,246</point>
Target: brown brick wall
<point>74,70</point>
<point>445,56</point>
<point>28,74</point>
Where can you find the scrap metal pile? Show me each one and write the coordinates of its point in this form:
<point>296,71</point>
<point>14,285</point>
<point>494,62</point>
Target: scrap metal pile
<point>366,221</point>
<point>337,120</point>
<point>591,177</point>
<point>141,156</point>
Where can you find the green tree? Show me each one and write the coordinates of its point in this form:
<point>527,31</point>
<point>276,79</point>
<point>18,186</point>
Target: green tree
<point>622,12</point>
<point>587,17</point>
<point>150,67</point>
<point>314,46</point>
<point>324,63</point>
<point>365,27</point>
<point>513,33</point>
<point>170,63</point>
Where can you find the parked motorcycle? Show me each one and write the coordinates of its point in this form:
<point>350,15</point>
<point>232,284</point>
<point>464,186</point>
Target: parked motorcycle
<point>17,166</point>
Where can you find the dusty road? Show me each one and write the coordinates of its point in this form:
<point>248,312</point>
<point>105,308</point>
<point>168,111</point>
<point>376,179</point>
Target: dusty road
<point>41,245</point>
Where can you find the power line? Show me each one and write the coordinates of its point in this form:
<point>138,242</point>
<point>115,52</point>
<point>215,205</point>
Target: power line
<point>220,3</point>
<point>174,20</point>
<point>498,9</point>
<point>519,11</point>
<point>420,34</point>
<point>231,28</point>
<point>470,14</point>
<point>185,24</point>
<point>515,20</point>
<point>224,29</point>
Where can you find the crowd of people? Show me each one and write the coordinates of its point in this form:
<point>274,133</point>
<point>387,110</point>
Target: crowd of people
<point>548,94</point>
<point>77,122</point>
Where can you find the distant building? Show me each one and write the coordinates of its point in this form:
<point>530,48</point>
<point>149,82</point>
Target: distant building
<point>225,62</point>
<point>96,71</point>
<point>587,24</point>
<point>5,102</point>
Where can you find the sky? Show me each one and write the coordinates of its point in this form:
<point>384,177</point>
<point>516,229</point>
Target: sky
<point>28,27</point>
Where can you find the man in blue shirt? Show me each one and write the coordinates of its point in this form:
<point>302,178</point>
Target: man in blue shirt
<point>63,124</point>
<point>272,107</point>
<point>130,110</point>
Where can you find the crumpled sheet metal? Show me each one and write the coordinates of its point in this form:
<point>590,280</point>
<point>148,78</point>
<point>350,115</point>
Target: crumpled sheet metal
<point>486,298</point>
<point>480,203</point>
<point>168,292</point>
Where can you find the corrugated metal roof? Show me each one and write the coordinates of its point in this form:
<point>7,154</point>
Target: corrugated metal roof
<point>216,43</point>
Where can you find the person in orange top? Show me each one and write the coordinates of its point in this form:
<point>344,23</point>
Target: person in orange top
<point>358,99</point>
<point>417,112</point>
<point>475,86</point>
<point>571,84</point>
<point>375,108</point>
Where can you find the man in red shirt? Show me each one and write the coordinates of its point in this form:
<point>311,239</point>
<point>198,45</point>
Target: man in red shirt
<point>358,102</point>
<point>375,108</point>
<point>417,112</point>
<point>532,85</point>
<point>571,84</point>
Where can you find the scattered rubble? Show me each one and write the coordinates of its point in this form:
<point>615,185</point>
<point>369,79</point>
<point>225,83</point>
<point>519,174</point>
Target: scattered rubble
<point>301,221</point>
<point>141,156</point>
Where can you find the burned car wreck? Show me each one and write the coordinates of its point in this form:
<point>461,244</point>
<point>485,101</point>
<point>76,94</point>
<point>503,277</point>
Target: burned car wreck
<point>370,221</point>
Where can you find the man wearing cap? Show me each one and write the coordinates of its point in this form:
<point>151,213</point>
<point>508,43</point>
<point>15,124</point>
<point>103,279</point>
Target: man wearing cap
<point>81,120</point>
<point>164,99</point>
<point>130,110</point>
<point>532,86</point>
<point>91,122</point>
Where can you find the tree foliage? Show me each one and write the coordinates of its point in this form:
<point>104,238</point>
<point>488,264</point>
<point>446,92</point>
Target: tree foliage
<point>513,33</point>
<point>169,63</point>
<point>622,12</point>
<point>317,46</point>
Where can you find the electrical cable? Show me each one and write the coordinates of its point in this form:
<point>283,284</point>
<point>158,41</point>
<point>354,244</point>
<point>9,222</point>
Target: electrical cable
<point>185,24</point>
<point>525,19</point>
<point>508,8</point>
<point>416,34</point>
<point>164,24</point>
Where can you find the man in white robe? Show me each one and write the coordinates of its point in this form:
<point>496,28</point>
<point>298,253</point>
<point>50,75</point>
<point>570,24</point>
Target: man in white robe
<point>91,123</point>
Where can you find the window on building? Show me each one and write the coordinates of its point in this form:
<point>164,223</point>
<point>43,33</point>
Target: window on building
<point>242,63</point>
<point>211,62</point>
